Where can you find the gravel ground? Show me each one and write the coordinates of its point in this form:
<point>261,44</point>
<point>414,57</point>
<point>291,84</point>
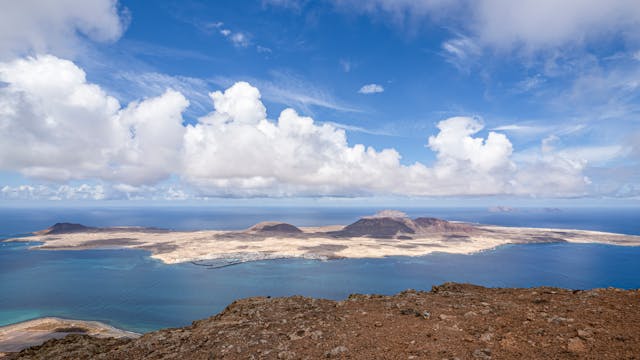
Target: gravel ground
<point>453,321</point>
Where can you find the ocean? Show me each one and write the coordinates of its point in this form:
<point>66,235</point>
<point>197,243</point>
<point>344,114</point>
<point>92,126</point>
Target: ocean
<point>129,290</point>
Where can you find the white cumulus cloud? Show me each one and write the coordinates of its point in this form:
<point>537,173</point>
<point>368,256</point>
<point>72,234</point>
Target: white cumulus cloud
<point>537,24</point>
<point>54,26</point>
<point>507,24</point>
<point>236,150</point>
<point>371,89</point>
<point>56,126</point>
<point>455,144</point>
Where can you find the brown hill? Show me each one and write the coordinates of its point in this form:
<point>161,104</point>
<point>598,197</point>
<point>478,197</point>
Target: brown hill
<point>400,227</point>
<point>378,227</point>
<point>275,227</point>
<point>64,228</point>
<point>453,321</point>
<point>69,228</point>
<point>429,225</point>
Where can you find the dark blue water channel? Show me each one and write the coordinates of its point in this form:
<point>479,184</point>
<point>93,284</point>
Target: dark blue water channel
<point>127,289</point>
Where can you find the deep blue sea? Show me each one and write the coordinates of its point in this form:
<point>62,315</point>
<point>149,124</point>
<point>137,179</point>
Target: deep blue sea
<point>129,290</point>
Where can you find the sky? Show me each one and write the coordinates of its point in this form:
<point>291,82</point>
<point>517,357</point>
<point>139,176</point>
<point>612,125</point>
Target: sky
<point>423,101</point>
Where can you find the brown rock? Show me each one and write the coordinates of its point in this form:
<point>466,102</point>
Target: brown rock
<point>287,355</point>
<point>606,326</point>
<point>337,351</point>
<point>585,334</point>
<point>446,317</point>
<point>575,345</point>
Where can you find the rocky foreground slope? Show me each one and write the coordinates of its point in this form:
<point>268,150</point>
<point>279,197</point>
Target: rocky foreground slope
<point>453,321</point>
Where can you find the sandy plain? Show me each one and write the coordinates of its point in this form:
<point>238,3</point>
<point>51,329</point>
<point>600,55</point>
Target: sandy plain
<point>173,247</point>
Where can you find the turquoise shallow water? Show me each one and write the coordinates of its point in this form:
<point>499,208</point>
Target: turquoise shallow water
<point>127,289</point>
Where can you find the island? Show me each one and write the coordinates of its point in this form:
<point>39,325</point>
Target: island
<point>450,321</point>
<point>387,233</point>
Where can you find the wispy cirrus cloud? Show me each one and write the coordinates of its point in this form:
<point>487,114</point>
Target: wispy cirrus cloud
<point>283,88</point>
<point>290,89</point>
<point>133,85</point>
<point>461,51</point>
<point>155,50</point>
<point>347,65</point>
<point>237,38</point>
<point>524,129</point>
<point>360,129</point>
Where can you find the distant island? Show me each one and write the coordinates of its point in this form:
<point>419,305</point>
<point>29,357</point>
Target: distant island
<point>387,233</point>
<point>451,320</point>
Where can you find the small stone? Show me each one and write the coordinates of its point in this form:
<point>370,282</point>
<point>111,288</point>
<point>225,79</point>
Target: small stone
<point>575,345</point>
<point>446,317</point>
<point>486,337</point>
<point>297,335</point>
<point>559,319</point>
<point>409,312</point>
<point>482,354</point>
<point>287,355</point>
<point>378,324</point>
<point>620,338</point>
<point>470,314</point>
<point>509,341</point>
<point>336,351</point>
<point>585,334</point>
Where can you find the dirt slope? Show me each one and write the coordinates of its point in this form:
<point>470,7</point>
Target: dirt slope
<point>453,321</point>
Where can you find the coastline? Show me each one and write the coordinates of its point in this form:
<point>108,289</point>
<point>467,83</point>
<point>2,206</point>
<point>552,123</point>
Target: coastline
<point>23,334</point>
<point>311,243</point>
<point>173,247</point>
<point>451,320</point>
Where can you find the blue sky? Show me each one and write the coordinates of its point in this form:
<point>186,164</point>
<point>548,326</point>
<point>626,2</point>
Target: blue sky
<point>420,99</point>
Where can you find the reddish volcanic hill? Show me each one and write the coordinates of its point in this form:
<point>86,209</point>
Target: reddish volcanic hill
<point>379,227</point>
<point>400,226</point>
<point>427,224</point>
<point>275,227</point>
<point>453,321</point>
<point>64,228</point>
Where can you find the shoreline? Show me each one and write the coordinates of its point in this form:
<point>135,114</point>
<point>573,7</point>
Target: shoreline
<point>319,243</point>
<point>17,336</point>
<point>461,320</point>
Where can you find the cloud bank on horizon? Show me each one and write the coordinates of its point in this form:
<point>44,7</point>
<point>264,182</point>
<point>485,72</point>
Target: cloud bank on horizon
<point>72,138</point>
